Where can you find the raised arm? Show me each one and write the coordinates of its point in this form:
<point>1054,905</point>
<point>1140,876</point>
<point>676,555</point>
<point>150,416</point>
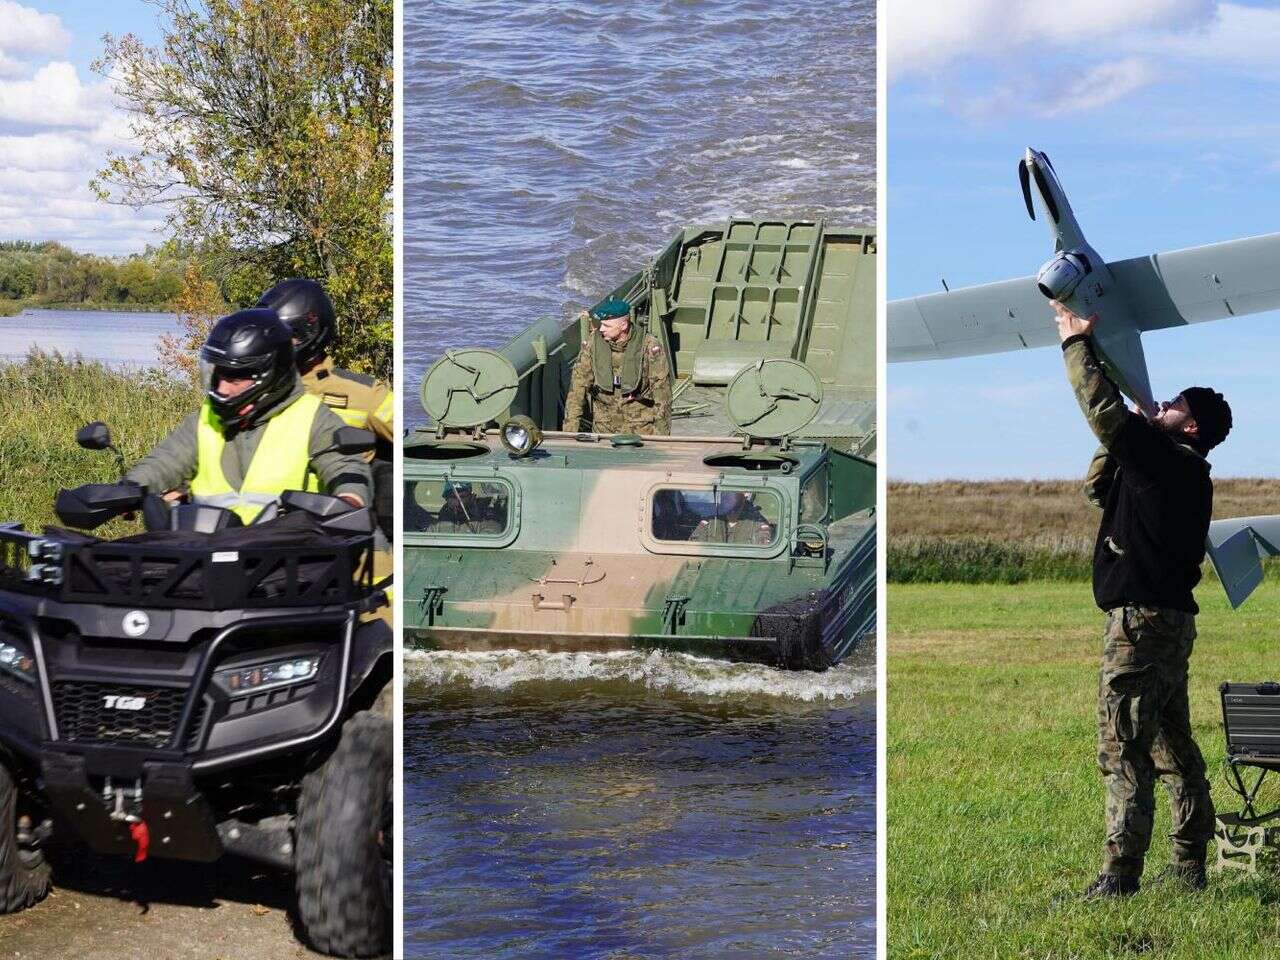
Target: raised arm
<point>578,383</point>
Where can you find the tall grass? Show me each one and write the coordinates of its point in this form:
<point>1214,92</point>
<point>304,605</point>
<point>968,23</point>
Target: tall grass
<point>1010,531</point>
<point>916,559</point>
<point>45,398</point>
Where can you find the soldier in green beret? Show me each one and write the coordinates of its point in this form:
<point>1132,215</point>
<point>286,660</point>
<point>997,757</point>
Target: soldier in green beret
<point>625,373</point>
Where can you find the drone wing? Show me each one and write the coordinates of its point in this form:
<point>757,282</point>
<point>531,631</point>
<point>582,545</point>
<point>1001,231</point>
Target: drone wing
<point>1212,282</point>
<point>1237,548</point>
<point>991,318</point>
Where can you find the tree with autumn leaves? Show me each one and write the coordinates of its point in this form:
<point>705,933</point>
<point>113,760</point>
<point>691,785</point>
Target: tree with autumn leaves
<point>265,128</point>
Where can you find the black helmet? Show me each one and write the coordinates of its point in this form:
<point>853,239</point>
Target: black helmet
<point>308,311</point>
<point>249,343</point>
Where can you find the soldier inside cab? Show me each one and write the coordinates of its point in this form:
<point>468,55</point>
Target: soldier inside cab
<point>621,382</point>
<point>737,520</point>
<point>442,507</point>
<point>358,399</point>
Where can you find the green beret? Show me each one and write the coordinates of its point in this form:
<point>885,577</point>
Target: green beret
<point>611,308</point>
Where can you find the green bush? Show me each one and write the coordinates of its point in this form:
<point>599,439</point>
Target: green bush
<point>916,559</point>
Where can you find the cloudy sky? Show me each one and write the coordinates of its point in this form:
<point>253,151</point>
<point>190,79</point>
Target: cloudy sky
<point>1163,121</point>
<point>58,120</point>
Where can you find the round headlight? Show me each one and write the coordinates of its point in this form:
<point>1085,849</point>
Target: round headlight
<point>520,436</point>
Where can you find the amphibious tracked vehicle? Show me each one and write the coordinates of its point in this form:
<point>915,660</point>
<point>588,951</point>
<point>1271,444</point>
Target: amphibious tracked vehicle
<point>747,534</point>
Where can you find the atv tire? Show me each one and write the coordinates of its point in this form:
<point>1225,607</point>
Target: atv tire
<point>343,843</point>
<point>25,875</point>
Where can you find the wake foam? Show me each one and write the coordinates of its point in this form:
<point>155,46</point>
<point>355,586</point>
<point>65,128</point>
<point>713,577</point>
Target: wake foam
<point>659,671</point>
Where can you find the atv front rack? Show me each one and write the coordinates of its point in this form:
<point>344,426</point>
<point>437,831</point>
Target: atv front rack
<point>162,576</point>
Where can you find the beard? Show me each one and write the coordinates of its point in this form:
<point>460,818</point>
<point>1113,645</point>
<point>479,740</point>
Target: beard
<point>1178,432</point>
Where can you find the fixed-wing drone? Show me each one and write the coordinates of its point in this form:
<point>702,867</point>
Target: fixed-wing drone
<point>1130,297</point>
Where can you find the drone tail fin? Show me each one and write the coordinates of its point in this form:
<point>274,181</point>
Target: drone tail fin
<point>1237,548</point>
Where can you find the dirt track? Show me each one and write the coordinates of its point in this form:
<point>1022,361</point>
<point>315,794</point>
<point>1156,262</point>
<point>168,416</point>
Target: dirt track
<point>106,909</point>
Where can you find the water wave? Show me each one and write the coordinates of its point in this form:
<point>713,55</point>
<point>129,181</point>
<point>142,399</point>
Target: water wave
<point>551,149</point>
<point>656,670</point>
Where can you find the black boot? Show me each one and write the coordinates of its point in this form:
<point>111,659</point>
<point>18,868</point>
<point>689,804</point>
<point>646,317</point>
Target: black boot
<point>1190,875</point>
<point>1109,885</point>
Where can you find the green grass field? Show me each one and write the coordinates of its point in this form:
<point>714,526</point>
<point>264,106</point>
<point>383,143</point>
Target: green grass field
<point>994,799</point>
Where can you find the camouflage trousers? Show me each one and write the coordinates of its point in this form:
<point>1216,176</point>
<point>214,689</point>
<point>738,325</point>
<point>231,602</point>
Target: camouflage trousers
<point>1144,731</point>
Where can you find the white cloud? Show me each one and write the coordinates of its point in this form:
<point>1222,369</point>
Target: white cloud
<point>54,97</point>
<point>56,127</point>
<point>29,34</point>
<point>10,66</point>
<point>1066,92</point>
<point>41,152</point>
<point>55,132</point>
<point>924,35</point>
<point>1239,38</point>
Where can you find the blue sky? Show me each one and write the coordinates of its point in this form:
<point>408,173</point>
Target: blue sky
<point>1163,121</point>
<point>58,120</point>
<point>86,22</point>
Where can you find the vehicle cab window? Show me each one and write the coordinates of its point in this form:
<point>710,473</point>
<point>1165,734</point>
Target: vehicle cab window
<point>440,507</point>
<point>814,495</point>
<point>748,517</point>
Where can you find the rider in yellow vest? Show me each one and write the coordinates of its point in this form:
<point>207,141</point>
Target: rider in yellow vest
<point>359,399</point>
<point>258,433</point>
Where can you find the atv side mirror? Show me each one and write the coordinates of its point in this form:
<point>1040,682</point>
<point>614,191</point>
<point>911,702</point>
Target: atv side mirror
<point>97,436</point>
<point>94,436</point>
<point>353,440</point>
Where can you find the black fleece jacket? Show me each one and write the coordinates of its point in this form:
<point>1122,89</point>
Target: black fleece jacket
<point>1155,493</point>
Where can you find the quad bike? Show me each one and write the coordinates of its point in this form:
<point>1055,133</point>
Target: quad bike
<point>201,689</point>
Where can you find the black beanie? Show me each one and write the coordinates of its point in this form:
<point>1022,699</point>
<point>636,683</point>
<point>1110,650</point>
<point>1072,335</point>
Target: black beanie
<point>1211,413</point>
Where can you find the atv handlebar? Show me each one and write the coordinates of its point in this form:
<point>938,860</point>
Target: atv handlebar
<point>93,504</point>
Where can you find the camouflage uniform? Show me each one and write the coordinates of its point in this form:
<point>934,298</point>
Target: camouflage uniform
<point>1144,722</point>
<point>1144,730</point>
<point>456,523</point>
<point>749,527</point>
<point>646,410</point>
<point>361,401</point>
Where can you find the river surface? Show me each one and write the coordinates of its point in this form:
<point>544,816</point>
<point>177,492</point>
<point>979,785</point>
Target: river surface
<point>116,338</point>
<point>637,805</point>
<point>552,148</point>
<point>629,805</point>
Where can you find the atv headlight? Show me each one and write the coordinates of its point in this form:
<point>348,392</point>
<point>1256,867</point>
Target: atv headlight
<point>520,436</point>
<point>278,673</point>
<point>17,663</point>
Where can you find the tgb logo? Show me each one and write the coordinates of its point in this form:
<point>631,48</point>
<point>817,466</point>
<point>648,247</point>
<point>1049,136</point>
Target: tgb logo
<point>113,702</point>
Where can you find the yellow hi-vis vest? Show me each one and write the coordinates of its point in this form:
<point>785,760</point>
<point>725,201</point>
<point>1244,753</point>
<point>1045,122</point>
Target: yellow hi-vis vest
<point>281,462</point>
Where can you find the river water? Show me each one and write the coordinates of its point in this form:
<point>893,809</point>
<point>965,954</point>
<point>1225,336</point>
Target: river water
<point>117,338</point>
<point>628,805</point>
